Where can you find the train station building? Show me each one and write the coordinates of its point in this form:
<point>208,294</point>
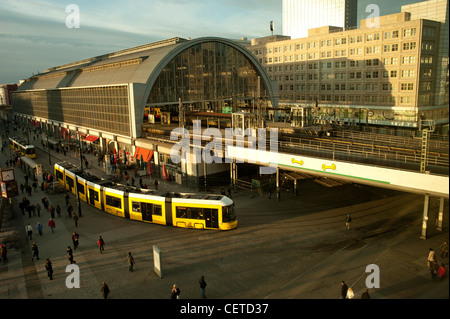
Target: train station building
<point>110,100</point>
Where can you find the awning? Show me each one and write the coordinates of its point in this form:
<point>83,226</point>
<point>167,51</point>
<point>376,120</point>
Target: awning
<point>91,138</point>
<point>146,154</point>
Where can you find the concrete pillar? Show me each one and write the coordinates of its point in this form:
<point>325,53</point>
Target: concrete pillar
<point>426,207</point>
<point>441,214</point>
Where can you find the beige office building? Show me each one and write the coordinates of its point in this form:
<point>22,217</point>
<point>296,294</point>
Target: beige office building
<point>384,73</point>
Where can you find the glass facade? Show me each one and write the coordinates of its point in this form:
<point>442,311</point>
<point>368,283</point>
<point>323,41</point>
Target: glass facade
<point>207,75</point>
<point>103,108</point>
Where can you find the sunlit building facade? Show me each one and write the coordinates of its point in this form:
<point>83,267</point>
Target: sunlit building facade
<point>301,15</point>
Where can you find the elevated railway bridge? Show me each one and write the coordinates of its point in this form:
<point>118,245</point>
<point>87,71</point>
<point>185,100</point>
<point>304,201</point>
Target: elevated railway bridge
<point>365,158</point>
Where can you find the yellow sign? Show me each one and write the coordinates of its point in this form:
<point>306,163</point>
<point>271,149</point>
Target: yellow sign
<point>325,167</point>
<point>298,162</point>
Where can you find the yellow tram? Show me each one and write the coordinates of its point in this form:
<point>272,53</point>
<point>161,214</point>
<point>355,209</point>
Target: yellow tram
<point>186,210</point>
<point>21,146</point>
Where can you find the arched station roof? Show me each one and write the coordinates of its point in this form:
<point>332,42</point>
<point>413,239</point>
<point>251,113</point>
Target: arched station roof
<point>140,65</point>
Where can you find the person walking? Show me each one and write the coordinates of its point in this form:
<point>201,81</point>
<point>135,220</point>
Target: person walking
<point>51,209</point>
<point>444,249</point>
<point>75,219</point>
<point>29,231</point>
<point>431,258</point>
<point>75,241</point>
<point>4,253</point>
<point>58,210</point>
<point>52,225</point>
<point>344,289</point>
<point>70,255</point>
<point>39,228</point>
<point>350,293</point>
<point>434,269</point>
<point>105,290</point>
<point>34,251</point>
<point>38,209</point>
<point>175,293</point>
<point>49,268</point>
<point>101,244</point>
<point>348,220</point>
<point>69,210</point>
<point>203,284</point>
<point>131,262</point>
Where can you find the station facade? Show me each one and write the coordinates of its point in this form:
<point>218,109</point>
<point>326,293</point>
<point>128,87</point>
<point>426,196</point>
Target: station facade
<point>108,99</point>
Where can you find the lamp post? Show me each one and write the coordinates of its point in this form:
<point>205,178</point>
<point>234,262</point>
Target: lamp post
<point>76,178</point>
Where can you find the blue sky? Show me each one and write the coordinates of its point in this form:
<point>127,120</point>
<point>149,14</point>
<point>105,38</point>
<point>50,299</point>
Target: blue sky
<point>34,36</point>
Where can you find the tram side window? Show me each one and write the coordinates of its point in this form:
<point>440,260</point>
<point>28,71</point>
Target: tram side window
<point>93,194</point>
<point>69,181</point>
<point>228,213</point>
<point>157,210</point>
<point>113,201</point>
<point>59,175</point>
<point>190,212</point>
<point>181,212</point>
<point>136,207</point>
<point>80,188</point>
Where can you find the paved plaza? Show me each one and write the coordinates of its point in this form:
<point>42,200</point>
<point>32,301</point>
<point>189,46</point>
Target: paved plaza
<point>295,248</point>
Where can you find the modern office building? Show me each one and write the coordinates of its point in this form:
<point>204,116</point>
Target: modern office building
<point>106,98</point>
<point>385,76</point>
<point>436,10</point>
<point>301,15</point>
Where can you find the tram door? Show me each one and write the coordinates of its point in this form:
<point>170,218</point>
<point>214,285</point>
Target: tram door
<point>93,196</point>
<point>211,217</point>
<point>147,210</point>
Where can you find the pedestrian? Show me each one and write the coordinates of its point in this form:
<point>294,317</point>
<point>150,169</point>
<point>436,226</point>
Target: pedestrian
<point>49,268</point>
<point>70,255</point>
<point>175,293</point>
<point>4,253</point>
<point>434,269</point>
<point>431,258</point>
<point>52,225</point>
<point>34,251</point>
<point>101,244</point>
<point>39,228</point>
<point>350,293</point>
<point>75,219</point>
<point>69,210</point>
<point>51,209</point>
<point>66,198</point>
<point>156,184</point>
<point>58,210</point>
<point>29,231</point>
<point>348,220</point>
<point>105,290</point>
<point>344,289</point>
<point>442,272</point>
<point>365,294</point>
<point>270,192</point>
<point>131,262</point>
<point>444,249</point>
<point>75,241</point>
<point>202,283</point>
<point>38,209</point>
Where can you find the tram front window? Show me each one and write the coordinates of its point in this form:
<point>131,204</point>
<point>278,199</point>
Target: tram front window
<point>228,214</point>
